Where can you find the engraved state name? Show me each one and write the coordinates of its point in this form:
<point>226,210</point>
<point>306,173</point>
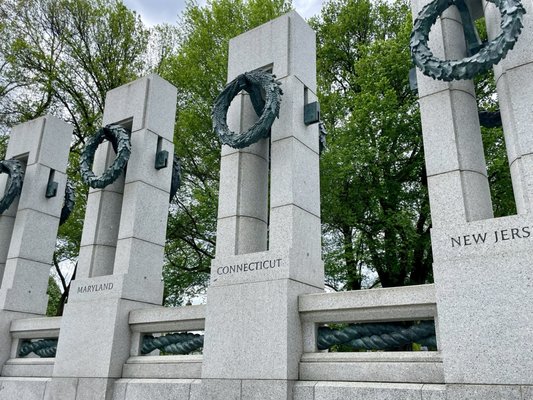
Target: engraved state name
<point>95,288</point>
<point>249,267</point>
<point>492,237</point>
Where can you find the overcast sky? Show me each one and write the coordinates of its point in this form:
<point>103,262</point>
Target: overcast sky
<point>158,11</point>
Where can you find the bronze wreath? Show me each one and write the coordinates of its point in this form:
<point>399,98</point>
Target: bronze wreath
<point>120,139</point>
<point>175,182</point>
<point>252,82</point>
<point>68,202</point>
<point>512,13</point>
<point>14,182</point>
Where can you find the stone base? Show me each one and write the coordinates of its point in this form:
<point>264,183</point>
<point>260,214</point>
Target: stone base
<point>79,389</point>
<point>23,388</point>
<point>214,389</point>
<point>156,389</point>
<point>484,301</point>
<point>95,342</point>
<point>95,338</point>
<point>229,389</point>
<point>253,331</point>
<point>407,391</point>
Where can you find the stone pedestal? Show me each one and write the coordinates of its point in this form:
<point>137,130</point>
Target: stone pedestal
<point>484,281</point>
<point>268,243</point>
<point>123,239</point>
<point>482,267</point>
<point>28,229</point>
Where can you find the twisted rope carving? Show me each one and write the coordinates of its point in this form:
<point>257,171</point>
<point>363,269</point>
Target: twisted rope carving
<point>377,336</point>
<point>358,336</point>
<point>44,348</point>
<point>174,343</point>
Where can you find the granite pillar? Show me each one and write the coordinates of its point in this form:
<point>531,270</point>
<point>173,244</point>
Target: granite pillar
<point>515,87</point>
<point>123,240</point>
<point>268,238</point>
<point>482,265</point>
<point>28,229</point>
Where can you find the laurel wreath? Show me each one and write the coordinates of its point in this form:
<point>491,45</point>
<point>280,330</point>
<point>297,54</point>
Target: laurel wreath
<point>14,182</point>
<point>268,109</point>
<point>511,25</point>
<point>68,202</point>
<point>14,187</point>
<point>120,140</point>
<point>175,181</point>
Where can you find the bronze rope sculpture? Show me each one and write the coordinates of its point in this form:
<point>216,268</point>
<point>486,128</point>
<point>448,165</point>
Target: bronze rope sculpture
<point>376,336</point>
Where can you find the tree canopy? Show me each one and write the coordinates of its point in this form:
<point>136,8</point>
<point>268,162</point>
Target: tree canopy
<point>373,178</point>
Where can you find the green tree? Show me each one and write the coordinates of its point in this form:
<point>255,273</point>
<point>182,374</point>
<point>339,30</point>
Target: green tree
<point>374,191</point>
<point>67,54</point>
<point>54,298</point>
<point>375,207</point>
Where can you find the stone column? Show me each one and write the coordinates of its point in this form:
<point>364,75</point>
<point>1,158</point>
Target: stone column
<point>123,240</point>
<point>28,229</point>
<point>514,87</point>
<point>243,197</point>
<point>455,162</point>
<point>482,265</point>
<point>253,338</point>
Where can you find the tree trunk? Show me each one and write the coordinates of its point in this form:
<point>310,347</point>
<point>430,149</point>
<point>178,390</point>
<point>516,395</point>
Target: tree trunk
<point>353,281</point>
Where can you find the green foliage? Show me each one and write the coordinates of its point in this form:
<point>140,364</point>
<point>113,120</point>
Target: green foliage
<point>65,55</point>
<point>54,297</point>
<point>499,173</point>
<point>375,207</point>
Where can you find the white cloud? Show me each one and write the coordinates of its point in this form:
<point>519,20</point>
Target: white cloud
<point>159,11</point>
<point>307,8</point>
